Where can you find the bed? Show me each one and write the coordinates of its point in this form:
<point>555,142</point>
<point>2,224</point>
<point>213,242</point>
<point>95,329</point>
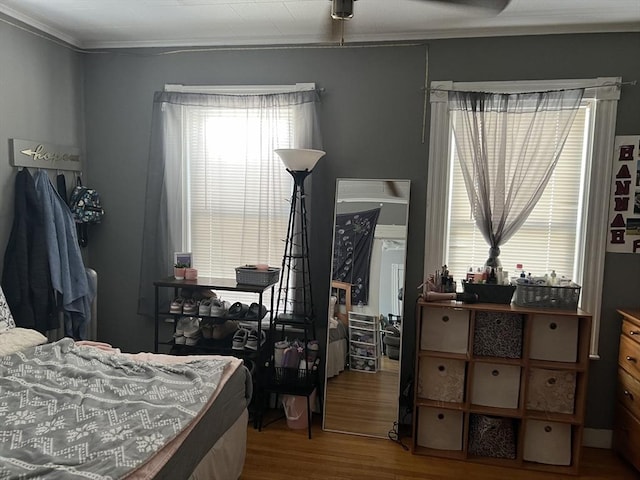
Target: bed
<point>85,410</point>
<point>337,345</point>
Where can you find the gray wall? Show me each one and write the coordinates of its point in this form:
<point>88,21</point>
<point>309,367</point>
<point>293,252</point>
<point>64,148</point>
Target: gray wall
<point>372,121</point>
<point>41,98</point>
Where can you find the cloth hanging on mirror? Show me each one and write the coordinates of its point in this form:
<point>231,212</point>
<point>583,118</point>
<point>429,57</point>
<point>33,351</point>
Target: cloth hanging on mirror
<point>353,245</point>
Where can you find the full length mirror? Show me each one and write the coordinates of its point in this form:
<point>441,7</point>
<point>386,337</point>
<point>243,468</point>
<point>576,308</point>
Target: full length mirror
<point>365,306</point>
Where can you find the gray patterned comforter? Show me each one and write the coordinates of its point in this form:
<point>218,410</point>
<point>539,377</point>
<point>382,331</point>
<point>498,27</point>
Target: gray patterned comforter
<point>70,412</point>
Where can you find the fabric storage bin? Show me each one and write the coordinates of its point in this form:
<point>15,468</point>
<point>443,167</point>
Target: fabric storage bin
<point>551,390</point>
<point>498,334</point>
<point>495,385</point>
<point>440,429</point>
<point>445,330</point>
<point>441,379</point>
<point>554,338</point>
<point>547,442</point>
<point>492,436</point>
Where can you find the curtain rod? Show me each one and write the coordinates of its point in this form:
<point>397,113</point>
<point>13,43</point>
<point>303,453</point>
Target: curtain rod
<point>609,84</point>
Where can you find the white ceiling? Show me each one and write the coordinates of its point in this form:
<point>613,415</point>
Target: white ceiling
<point>145,23</point>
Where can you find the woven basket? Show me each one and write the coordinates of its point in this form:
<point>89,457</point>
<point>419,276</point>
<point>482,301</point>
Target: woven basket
<point>248,275</point>
<point>565,298</point>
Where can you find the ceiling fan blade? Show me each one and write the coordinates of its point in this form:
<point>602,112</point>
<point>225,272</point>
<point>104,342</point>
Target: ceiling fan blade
<point>494,5</point>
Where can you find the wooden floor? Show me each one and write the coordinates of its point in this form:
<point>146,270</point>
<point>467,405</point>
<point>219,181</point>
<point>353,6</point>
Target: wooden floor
<point>278,452</point>
<point>363,402</point>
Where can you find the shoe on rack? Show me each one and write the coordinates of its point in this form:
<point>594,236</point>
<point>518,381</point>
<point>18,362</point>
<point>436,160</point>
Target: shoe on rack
<point>219,308</point>
<point>240,339</point>
<point>252,339</point>
<point>256,312</point>
<point>224,329</point>
<point>179,339</point>
<point>204,309</point>
<point>207,327</point>
<point>192,331</point>
<point>238,310</point>
<point>190,307</point>
<point>181,324</point>
<point>192,341</point>
<point>176,305</point>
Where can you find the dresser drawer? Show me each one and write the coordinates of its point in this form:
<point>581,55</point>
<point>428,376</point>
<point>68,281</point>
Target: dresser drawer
<point>445,330</point>
<point>626,435</point>
<point>629,392</point>
<point>629,356</point>
<point>631,330</point>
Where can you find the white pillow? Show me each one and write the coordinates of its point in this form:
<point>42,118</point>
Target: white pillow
<point>6,319</point>
<point>17,338</point>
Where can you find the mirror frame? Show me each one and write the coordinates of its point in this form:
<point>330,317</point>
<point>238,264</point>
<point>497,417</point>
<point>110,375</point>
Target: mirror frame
<point>378,198</point>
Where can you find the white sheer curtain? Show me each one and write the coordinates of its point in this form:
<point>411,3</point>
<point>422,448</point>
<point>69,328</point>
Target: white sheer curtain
<point>214,185</point>
<point>506,158</point>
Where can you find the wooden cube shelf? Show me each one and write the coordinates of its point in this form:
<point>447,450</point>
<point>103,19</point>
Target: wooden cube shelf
<point>530,387</point>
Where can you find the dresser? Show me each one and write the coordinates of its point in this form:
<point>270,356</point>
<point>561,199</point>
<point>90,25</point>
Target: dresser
<point>501,384</point>
<point>626,432</point>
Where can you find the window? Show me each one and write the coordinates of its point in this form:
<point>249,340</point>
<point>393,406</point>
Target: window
<point>547,241</point>
<point>235,190</point>
<point>567,229</point>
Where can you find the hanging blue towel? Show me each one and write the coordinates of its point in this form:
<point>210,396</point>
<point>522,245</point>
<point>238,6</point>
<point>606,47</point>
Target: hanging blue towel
<point>68,274</point>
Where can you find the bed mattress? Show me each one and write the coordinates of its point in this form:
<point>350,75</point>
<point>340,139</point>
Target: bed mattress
<point>71,411</point>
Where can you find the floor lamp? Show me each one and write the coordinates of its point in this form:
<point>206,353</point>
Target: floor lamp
<point>295,301</point>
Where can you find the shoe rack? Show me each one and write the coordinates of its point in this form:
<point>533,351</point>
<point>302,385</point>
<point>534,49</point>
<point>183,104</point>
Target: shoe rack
<point>501,384</point>
<point>223,347</point>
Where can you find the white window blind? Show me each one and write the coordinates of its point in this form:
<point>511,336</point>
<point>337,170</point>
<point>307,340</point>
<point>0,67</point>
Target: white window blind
<point>237,189</point>
<point>547,240</point>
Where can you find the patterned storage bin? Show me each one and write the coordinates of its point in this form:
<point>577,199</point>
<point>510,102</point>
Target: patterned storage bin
<point>551,390</point>
<point>441,379</point>
<point>498,334</point>
<point>440,429</point>
<point>547,442</point>
<point>492,436</point>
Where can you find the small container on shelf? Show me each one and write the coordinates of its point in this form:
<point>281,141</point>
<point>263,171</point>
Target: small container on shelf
<point>253,275</point>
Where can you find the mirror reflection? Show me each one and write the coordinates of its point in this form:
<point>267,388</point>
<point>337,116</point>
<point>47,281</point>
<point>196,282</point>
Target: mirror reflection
<point>365,306</point>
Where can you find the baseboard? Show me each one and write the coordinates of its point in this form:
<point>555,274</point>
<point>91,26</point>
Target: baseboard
<point>597,438</point>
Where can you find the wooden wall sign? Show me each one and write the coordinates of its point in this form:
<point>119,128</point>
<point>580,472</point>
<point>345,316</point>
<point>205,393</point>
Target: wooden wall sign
<point>624,219</point>
<point>34,154</point>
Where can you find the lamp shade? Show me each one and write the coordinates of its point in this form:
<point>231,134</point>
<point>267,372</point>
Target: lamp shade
<point>299,159</point>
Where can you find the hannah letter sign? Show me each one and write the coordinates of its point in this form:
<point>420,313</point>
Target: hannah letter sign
<point>29,153</point>
<point>624,219</point>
